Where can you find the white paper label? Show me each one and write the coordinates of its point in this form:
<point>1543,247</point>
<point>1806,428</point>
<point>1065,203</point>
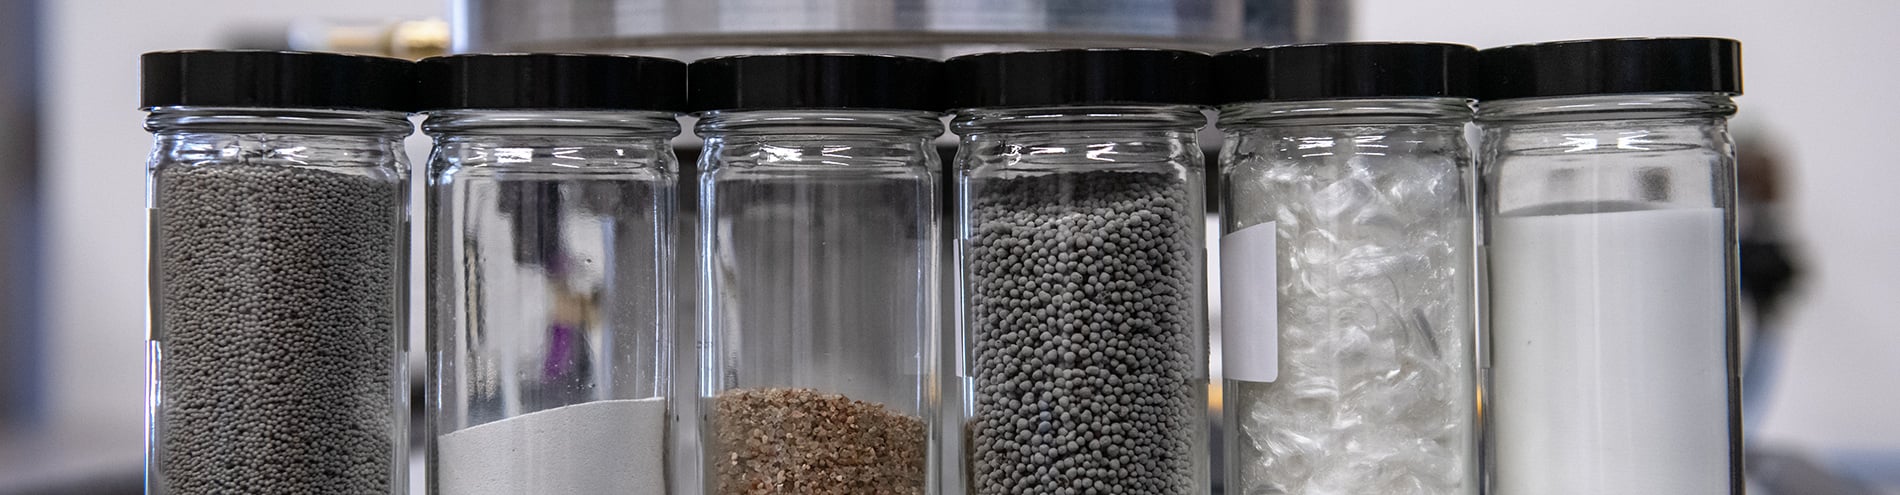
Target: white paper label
<point>1250,304</point>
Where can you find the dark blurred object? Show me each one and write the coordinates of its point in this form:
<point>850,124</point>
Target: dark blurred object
<point>1768,262</point>
<point>1768,273</point>
<point>1769,269</point>
<point>689,29</point>
<point>20,335</point>
<point>1877,467</point>
<point>1783,473</point>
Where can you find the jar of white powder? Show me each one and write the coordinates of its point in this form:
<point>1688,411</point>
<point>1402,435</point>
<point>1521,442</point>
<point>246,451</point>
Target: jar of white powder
<point>1346,280</point>
<point>550,254</point>
<point>1609,189</point>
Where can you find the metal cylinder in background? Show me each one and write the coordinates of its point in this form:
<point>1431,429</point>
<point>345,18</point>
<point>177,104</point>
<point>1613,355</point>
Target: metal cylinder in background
<point>940,28</point>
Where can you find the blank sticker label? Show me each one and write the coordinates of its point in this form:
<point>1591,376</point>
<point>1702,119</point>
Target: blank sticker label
<point>1250,304</point>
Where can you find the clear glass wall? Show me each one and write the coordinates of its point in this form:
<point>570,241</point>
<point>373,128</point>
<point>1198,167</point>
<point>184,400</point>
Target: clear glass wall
<point>551,299</point>
<point>818,302</point>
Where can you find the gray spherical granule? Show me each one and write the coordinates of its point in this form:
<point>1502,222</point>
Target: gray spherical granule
<point>277,307</point>
<point>1083,322</point>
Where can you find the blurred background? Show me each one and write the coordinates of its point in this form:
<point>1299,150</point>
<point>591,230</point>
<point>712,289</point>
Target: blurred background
<point>1819,231</point>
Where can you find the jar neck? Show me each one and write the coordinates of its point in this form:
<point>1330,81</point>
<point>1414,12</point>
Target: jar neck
<point>599,123</point>
<point>1607,107</point>
<point>1174,118</point>
<point>1356,111</point>
<point>913,124</point>
<point>365,123</point>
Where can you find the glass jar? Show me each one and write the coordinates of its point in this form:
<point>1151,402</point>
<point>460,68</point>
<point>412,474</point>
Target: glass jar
<point>1346,284</point>
<point>1082,356</point>
<point>1609,189</point>
<point>278,245</point>
<point>818,292</point>
<point>550,302</point>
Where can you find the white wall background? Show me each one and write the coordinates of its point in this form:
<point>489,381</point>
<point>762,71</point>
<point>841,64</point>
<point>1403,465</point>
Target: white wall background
<point>1820,72</point>
<point>92,179</point>
<point>1821,75</point>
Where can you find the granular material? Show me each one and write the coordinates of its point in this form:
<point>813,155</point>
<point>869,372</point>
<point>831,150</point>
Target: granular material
<point>1084,313</point>
<point>276,319</point>
<point>786,440</point>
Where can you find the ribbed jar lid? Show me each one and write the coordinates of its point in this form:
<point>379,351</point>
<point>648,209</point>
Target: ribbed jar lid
<point>552,81</point>
<point>1344,70</point>
<point>275,79</point>
<point>1610,66</point>
<point>815,80</point>
<point>1079,77</point>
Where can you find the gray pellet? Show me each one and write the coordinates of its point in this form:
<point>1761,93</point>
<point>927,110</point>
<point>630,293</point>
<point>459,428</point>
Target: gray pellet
<point>1082,323</point>
<point>278,309</point>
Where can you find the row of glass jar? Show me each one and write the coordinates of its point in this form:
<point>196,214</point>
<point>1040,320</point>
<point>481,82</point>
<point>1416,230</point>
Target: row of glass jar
<point>1078,361</point>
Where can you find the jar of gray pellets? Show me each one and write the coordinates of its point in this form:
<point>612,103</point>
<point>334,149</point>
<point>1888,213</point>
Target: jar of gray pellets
<point>1083,364</point>
<point>278,235</point>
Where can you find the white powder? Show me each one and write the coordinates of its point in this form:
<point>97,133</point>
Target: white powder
<point>1609,354</point>
<point>601,447</point>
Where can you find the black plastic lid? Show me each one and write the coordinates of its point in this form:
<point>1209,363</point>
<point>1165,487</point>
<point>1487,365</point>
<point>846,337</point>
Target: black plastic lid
<point>1610,66</point>
<point>552,81</point>
<point>1344,70</point>
<point>275,79</point>
<point>1079,77</point>
<point>814,80</point>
